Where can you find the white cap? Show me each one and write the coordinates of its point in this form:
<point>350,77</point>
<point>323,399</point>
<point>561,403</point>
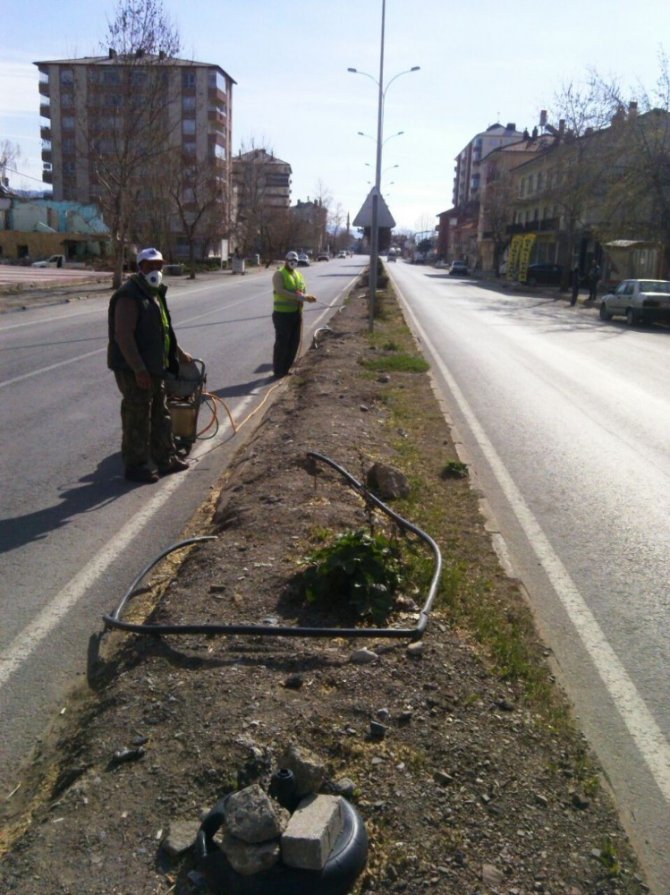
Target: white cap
<point>291,256</point>
<point>149,255</point>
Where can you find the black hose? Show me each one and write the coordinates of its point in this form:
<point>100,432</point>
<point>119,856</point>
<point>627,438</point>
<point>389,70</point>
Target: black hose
<point>114,619</point>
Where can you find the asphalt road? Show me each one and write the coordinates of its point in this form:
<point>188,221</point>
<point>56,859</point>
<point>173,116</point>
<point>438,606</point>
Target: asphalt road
<point>73,533</point>
<point>565,422</point>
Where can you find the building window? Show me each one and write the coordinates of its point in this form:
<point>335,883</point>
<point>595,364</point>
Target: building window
<point>188,126</point>
<point>219,151</point>
<point>67,122</point>
<point>188,147</point>
<point>216,80</point>
<point>105,146</point>
<point>188,103</point>
<point>66,76</point>
<point>188,79</point>
<point>111,77</point>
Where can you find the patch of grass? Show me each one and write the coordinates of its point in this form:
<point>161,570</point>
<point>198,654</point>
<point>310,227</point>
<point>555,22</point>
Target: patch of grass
<point>396,363</point>
<point>454,469</point>
<point>609,859</point>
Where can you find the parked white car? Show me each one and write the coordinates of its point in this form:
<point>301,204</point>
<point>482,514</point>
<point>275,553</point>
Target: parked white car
<point>52,261</point>
<point>639,301</point>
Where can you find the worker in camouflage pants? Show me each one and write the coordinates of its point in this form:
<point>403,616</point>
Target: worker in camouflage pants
<point>142,349</point>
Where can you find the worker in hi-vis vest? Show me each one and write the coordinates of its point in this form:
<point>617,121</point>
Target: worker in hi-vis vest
<point>290,293</point>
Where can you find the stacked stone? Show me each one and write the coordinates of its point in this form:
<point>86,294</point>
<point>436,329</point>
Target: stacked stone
<point>259,832</point>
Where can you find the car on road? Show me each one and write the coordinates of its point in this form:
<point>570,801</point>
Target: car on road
<point>323,256</point>
<point>303,260</point>
<point>544,274</point>
<point>342,254</point>
<point>458,269</point>
<point>639,301</point>
<point>52,261</point>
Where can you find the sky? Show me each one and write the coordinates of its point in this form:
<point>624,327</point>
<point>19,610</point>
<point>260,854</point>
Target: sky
<point>480,62</point>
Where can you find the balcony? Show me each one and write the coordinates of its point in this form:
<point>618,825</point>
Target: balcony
<point>45,133</point>
<point>44,88</point>
<point>45,110</point>
<point>47,177</point>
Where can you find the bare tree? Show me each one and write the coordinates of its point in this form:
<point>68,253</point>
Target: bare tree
<point>197,193</point>
<point>581,157</point>
<point>10,155</point>
<point>141,25</point>
<point>498,198</point>
<point>129,119</point>
<point>637,201</point>
<point>336,219</point>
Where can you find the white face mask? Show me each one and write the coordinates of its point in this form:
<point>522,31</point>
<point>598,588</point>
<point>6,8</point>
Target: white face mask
<point>154,278</point>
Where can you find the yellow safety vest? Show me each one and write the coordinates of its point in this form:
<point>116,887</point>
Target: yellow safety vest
<point>293,282</point>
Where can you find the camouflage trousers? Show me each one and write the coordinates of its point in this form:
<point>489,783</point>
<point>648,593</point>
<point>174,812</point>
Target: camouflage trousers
<point>145,422</point>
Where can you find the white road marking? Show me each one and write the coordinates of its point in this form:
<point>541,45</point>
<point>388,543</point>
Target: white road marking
<point>67,598</point>
<point>636,716</point>
<point>63,363</point>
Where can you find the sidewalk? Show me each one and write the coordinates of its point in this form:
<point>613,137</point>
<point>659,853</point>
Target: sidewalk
<point>554,293</point>
<point>33,294</point>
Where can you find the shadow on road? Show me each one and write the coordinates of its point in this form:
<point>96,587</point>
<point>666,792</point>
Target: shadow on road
<point>93,490</point>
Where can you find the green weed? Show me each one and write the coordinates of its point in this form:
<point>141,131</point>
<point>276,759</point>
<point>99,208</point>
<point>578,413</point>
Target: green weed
<point>363,570</point>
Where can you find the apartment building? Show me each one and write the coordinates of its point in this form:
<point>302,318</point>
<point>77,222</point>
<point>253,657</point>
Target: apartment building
<point>118,130</point>
<point>309,225</point>
<point>467,171</point>
<point>596,195</point>
<point>458,226</point>
<point>262,196</point>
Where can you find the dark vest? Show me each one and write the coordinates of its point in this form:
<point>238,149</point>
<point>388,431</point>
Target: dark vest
<point>149,334</point>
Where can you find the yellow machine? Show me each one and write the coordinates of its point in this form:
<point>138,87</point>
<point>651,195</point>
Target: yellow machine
<point>184,393</point>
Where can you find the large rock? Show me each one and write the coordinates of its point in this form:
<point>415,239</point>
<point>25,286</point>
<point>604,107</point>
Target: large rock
<point>308,771</point>
<point>252,816</point>
<point>180,836</point>
<point>247,858</point>
<point>386,482</point>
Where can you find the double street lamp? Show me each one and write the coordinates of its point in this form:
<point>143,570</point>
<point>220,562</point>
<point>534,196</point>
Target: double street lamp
<point>374,228</point>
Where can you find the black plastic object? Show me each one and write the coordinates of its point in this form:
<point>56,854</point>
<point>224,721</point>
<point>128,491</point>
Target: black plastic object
<point>282,788</point>
<point>345,863</point>
<point>115,620</point>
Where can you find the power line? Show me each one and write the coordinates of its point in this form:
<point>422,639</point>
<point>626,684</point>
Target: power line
<point>21,174</point>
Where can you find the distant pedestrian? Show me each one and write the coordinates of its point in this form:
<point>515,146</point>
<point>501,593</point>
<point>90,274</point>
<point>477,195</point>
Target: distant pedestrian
<point>574,281</point>
<point>290,293</point>
<point>594,279</point>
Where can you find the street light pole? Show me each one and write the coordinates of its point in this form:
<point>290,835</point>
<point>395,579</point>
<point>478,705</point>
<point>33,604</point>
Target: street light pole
<point>374,231</point>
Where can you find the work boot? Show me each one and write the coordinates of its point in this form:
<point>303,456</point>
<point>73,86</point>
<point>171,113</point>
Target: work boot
<point>175,465</point>
<point>141,474</point>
